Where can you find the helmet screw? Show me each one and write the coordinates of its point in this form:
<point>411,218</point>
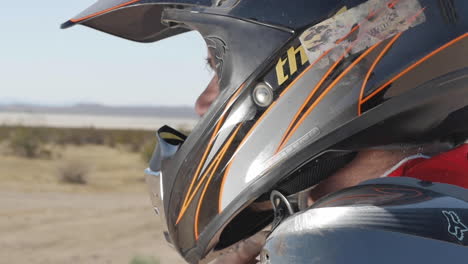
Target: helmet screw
<point>262,95</point>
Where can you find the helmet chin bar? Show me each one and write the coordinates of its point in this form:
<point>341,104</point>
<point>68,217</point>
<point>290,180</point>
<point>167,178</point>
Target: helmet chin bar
<point>168,143</point>
<point>155,187</point>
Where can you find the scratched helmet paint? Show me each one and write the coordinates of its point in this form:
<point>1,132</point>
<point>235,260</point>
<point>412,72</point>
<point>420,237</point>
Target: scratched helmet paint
<point>304,85</point>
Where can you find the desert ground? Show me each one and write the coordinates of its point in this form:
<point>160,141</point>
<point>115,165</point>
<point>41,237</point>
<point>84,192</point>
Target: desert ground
<point>108,219</point>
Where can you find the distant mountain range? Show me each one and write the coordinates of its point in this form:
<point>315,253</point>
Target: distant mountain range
<point>97,109</point>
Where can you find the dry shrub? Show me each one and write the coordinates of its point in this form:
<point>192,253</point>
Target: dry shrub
<point>30,141</point>
<point>74,172</point>
<point>133,140</point>
<point>25,143</point>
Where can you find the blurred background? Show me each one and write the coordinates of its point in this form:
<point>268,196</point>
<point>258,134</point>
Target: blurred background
<point>78,112</point>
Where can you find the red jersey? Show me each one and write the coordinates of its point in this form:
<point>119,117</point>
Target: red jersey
<point>449,167</point>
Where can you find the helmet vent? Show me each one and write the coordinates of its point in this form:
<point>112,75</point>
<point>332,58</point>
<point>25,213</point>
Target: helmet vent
<point>315,171</point>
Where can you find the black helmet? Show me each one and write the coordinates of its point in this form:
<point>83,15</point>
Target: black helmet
<point>304,85</point>
<point>388,220</point>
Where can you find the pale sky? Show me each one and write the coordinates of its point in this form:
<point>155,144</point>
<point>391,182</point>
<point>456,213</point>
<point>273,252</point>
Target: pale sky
<point>42,64</point>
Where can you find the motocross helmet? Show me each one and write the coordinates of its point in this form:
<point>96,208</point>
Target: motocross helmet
<point>417,221</point>
<point>304,85</point>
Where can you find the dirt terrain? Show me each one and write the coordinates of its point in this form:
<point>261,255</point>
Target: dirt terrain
<point>108,220</point>
<point>79,228</point>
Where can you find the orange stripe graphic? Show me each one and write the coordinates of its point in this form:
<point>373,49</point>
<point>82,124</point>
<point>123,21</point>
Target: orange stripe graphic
<point>372,67</point>
<point>347,35</point>
<point>103,11</point>
<point>189,196</point>
<point>377,60</point>
<point>309,110</point>
<point>291,126</point>
<point>428,56</point>
<point>223,181</point>
<point>218,161</point>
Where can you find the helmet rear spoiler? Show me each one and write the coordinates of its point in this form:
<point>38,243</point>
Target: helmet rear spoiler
<point>137,20</point>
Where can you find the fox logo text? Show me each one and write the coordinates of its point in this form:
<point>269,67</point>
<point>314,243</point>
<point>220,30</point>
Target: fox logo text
<point>455,226</point>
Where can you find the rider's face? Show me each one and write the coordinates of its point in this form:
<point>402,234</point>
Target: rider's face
<point>208,96</point>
